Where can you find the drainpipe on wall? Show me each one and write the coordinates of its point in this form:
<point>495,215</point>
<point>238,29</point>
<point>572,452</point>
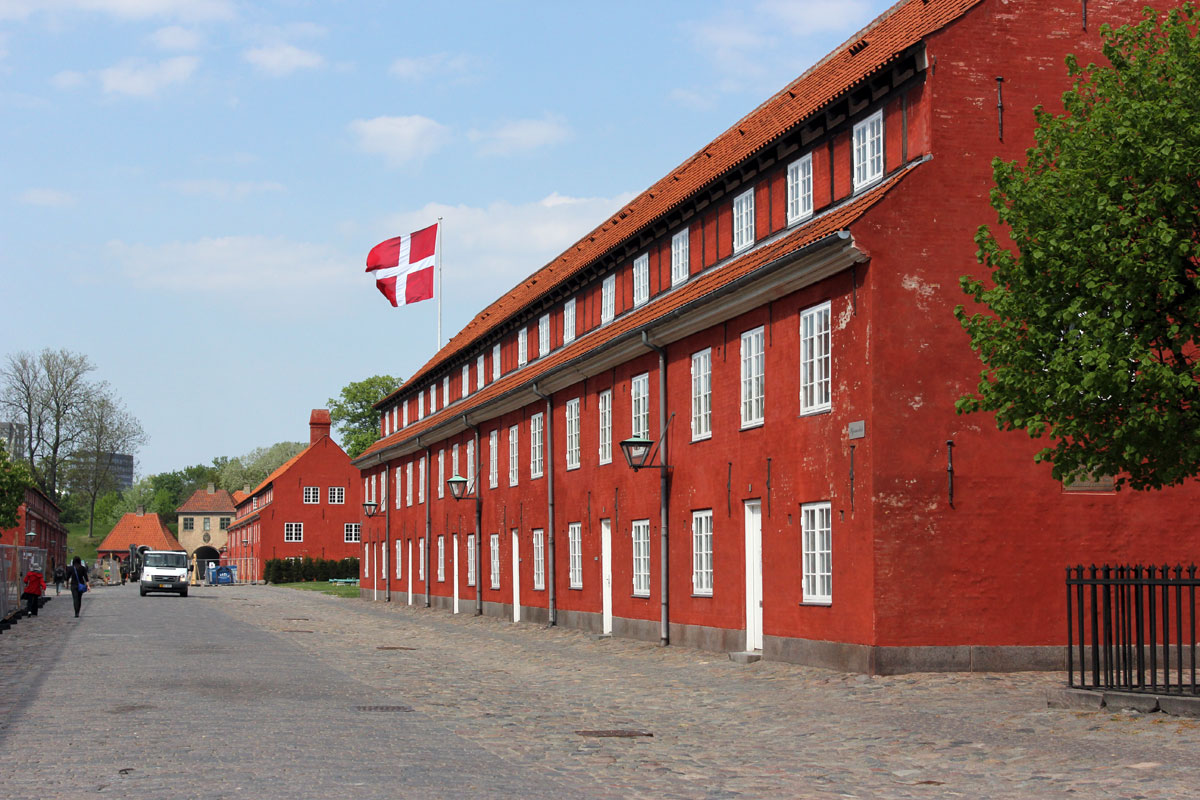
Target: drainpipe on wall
<point>664,478</point>
<point>478,521</point>
<point>428,517</point>
<point>387,532</point>
<point>548,449</point>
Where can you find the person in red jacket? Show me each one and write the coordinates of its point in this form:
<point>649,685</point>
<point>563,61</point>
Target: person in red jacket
<point>35,585</point>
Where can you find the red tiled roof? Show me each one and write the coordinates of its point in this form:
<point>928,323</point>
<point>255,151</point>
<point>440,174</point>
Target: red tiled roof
<point>819,228</point>
<point>284,467</point>
<point>900,27</point>
<point>146,529</point>
<point>238,496</point>
<point>201,502</point>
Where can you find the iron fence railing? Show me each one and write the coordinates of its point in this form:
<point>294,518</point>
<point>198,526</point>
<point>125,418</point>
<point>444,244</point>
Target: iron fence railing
<point>1132,628</point>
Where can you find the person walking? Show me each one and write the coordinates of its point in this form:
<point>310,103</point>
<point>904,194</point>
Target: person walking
<point>35,584</point>
<point>60,575</point>
<point>77,574</point>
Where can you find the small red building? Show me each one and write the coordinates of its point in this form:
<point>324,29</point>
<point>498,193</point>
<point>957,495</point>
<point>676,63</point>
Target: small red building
<point>39,515</point>
<point>138,529</point>
<point>310,506</point>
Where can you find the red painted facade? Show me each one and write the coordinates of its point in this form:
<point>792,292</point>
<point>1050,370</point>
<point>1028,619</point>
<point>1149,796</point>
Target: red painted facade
<point>917,582</point>
<point>39,514</point>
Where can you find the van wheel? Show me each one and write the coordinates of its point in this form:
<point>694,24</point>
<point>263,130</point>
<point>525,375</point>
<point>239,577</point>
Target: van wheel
<point>143,591</point>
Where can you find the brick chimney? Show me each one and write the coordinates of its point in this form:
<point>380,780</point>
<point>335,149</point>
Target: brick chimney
<point>318,424</point>
<point>212,489</point>
<point>141,511</point>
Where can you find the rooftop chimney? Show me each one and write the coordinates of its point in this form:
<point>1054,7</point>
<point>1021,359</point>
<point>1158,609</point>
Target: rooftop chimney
<point>318,424</point>
<point>245,488</point>
<point>212,489</point>
<point>141,511</point>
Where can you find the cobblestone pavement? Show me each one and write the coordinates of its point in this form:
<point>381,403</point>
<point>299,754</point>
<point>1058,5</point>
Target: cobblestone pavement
<point>254,692</point>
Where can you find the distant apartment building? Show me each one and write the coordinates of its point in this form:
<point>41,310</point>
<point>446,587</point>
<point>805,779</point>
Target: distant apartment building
<point>13,436</point>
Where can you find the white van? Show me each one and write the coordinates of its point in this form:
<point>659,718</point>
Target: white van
<point>164,571</point>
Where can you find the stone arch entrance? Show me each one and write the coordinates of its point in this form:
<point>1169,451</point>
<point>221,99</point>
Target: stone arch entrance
<point>202,556</point>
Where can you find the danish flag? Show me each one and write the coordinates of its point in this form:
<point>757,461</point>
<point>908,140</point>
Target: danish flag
<point>403,266</point>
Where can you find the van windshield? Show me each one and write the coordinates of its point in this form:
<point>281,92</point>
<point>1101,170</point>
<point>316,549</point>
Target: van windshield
<point>165,559</point>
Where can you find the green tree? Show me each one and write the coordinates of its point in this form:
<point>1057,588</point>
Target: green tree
<point>252,468</point>
<point>1094,327</point>
<point>353,412</point>
<point>15,478</point>
<point>105,428</point>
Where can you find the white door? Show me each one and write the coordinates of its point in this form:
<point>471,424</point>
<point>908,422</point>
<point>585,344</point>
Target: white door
<point>516,573</point>
<point>410,591</point>
<point>383,573</point>
<point>754,613</point>
<point>455,564</point>
<point>606,572</point>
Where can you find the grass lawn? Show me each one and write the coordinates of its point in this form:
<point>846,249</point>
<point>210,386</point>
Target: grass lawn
<point>78,543</point>
<point>324,587</point>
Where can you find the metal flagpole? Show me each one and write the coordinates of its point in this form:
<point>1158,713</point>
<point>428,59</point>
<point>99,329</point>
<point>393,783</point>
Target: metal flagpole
<point>439,287</point>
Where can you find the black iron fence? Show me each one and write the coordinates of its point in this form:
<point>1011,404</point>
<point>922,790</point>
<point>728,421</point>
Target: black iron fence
<point>1132,628</point>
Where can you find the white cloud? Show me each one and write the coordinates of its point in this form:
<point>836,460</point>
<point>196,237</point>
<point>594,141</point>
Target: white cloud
<point>809,17</point>
<point>50,198</point>
<point>68,79</point>
<point>443,65</point>
<point>173,37</point>
<point>279,60</point>
<point>399,139</point>
<point>225,190</point>
<point>193,10</point>
<point>521,135</point>
<point>142,79</point>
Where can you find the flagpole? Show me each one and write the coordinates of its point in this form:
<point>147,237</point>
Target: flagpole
<point>439,288</point>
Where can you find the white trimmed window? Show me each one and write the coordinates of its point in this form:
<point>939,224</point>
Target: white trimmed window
<point>496,362</point>
<point>639,394</point>
<point>641,279</point>
<point>535,446</point>
<point>441,474</point>
<point>495,548</point>
<point>384,425</point>
<point>433,398</point>
<point>680,266</point>
<point>374,496</point>
<point>522,346</point>
<point>815,361</point>
<point>573,434</point>
<point>366,561</point>
<point>421,405</point>
<point>337,495</point>
<point>743,220</point>
<point>421,559</point>
<point>543,335</point>
<point>641,558</point>
<point>470,559</point>
<point>753,376</point>
<point>608,299</point>
<point>352,532</point>
<point>604,406</point>
<point>399,573</point>
<point>494,458</point>
<point>466,380</point>
<point>312,494</point>
<point>399,494</point>
<point>441,559</point>
<point>575,551</point>
<point>702,394</point>
<point>514,451</point>
<point>421,480</point>
<point>799,190</point>
<point>408,483</point>
<point>539,560</point>
<point>454,461</point>
<point>868,151</point>
<point>404,412</point>
<point>470,464</point>
<point>817,535</point>
<point>702,553</point>
<point>479,364</point>
<point>293,531</point>
<point>445,391</point>
<point>569,321</point>
<point>395,417</point>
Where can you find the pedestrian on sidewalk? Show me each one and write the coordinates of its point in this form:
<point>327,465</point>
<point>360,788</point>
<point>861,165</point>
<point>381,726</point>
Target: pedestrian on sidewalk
<point>35,584</point>
<point>60,575</point>
<point>78,577</point>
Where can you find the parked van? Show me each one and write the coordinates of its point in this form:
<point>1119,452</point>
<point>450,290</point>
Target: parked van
<point>164,571</point>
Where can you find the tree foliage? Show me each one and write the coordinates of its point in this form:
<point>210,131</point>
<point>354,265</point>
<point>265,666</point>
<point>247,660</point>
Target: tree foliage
<point>15,478</point>
<point>105,428</point>
<point>353,413</point>
<point>1094,324</point>
<point>252,468</point>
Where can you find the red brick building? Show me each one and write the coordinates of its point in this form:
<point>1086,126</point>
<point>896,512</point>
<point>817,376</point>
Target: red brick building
<point>138,529</point>
<point>780,304</point>
<point>40,515</point>
<point>310,506</point>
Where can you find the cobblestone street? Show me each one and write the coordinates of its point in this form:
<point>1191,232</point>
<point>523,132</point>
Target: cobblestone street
<point>258,692</point>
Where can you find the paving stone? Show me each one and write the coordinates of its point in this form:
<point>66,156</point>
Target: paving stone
<point>1066,697</point>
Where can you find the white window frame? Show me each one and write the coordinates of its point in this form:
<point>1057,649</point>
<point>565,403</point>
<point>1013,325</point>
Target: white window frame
<point>702,394</point>
<point>293,531</point>
<point>536,456</point>
<point>868,151</point>
<point>466,380</point>
<point>421,480</point>
<point>680,260</point>
<point>420,405</point>
<point>470,559</point>
<point>441,473</point>
<point>480,362</point>
<point>640,549</point>
<point>816,526</point>
<point>454,461</point>
<point>743,220</point>
<point>514,454</point>
<point>312,495</point>
<point>641,280</point>
<point>445,391</point>
<point>408,483</point>
<point>569,321</point>
<point>495,558</point>
<point>337,495</point>
<point>399,572</point>
<point>399,495</point>
<point>816,362</point>
<point>470,476</point>
<point>575,554</point>
<point>496,362</point>
<point>539,560</point>
<point>421,559</point>
<point>639,406</point>
<point>441,573</point>
<point>608,299</point>
<point>799,190</point>
<point>522,346</point>
<point>754,376</point>
<point>374,496</point>
<point>433,398</point>
<point>573,433</point>
<point>543,335</point>
<point>494,458</point>
<point>352,532</point>
<point>702,552</point>
<point>404,412</point>
<point>604,415</point>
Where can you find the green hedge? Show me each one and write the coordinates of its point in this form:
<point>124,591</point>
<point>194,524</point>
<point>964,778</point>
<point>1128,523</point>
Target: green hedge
<point>288,570</point>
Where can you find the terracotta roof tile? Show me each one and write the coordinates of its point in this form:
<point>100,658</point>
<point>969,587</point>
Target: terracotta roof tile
<point>238,496</point>
<point>201,502</point>
<point>132,529</point>
<point>284,467</point>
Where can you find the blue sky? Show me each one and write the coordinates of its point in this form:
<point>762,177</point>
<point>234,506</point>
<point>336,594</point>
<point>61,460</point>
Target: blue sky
<point>189,188</point>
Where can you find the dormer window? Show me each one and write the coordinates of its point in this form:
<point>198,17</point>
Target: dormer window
<point>743,220</point>
<point>679,257</point>
<point>641,279</point>
<point>799,190</point>
<point>868,151</point>
<point>543,335</point>
<point>569,321</point>
<point>466,380</point>
<point>496,362</point>
<point>608,299</point>
<point>522,347</point>
<point>479,371</point>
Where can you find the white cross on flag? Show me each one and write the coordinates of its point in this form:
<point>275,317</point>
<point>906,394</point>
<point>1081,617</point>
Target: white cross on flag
<point>403,266</point>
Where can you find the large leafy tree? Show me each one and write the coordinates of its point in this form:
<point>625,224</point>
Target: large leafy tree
<point>353,413</point>
<point>253,468</point>
<point>1091,332</point>
<point>106,428</point>
<point>15,478</point>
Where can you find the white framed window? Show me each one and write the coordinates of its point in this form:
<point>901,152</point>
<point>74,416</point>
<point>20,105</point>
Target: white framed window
<point>535,446</point>
<point>480,360</point>
<point>470,559</point>
<point>573,433</point>
<point>680,265</point>
<point>366,561</point>
<point>337,495</point>
<point>496,361</point>
<point>293,531</point>
<point>421,405</point>
<point>441,559</point>
<point>569,321</point>
<point>641,558</point>
<point>543,335</point>
<point>514,451</point>
<point>454,461</point>
<point>441,474</point>
<point>445,391</point>
<point>404,412</point>
<point>399,495</point>
<point>421,480</point>
<point>641,279</point>
<point>539,559</point>
<point>639,394</point>
<point>466,380</point>
<point>352,532</point>
<point>575,554</point>
<point>395,417</point>
<point>494,458</point>
<point>817,534</point>
<point>604,413</point>
<point>421,559</point>
<point>399,573</point>
<point>433,398</point>
<point>608,299</point>
<point>743,220</point>
<point>384,425</point>
<point>208,523</point>
<point>189,523</point>
<point>470,464</point>
<point>754,362</point>
<point>702,394</point>
<point>702,552</point>
<point>312,494</point>
<point>522,346</point>
<point>799,190</point>
<point>868,151</point>
<point>374,496</point>
<point>408,483</point>
<point>495,548</point>
<point>815,362</point>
